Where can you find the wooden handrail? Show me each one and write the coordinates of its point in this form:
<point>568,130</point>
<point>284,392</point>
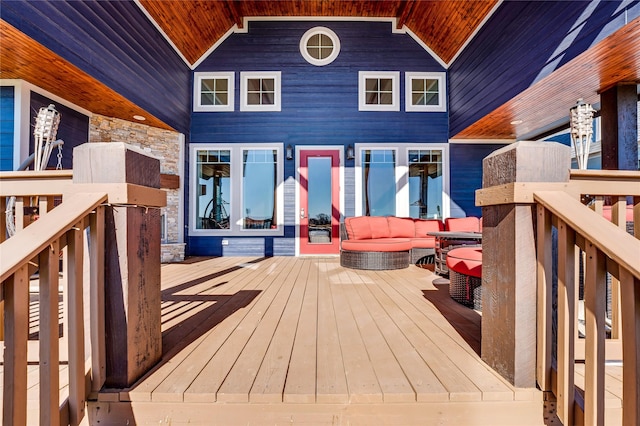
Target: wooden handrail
<point>44,240</point>
<point>618,245</point>
<point>24,246</point>
<point>610,249</point>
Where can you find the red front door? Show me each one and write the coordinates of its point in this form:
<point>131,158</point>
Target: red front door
<point>319,214</point>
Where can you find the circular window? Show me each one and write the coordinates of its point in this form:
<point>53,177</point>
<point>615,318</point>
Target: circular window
<point>319,46</point>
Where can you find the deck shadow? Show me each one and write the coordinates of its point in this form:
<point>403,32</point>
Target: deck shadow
<point>466,322</point>
<point>197,321</point>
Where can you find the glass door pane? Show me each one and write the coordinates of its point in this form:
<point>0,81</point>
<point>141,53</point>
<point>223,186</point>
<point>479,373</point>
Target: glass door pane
<point>319,205</point>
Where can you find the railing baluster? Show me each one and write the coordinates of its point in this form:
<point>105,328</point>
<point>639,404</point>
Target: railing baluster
<point>96,291</point>
<point>544,268</point>
<point>618,217</point>
<point>16,297</point>
<point>19,214</point>
<point>566,322</point>
<point>595,308</point>
<point>630,288</point>
<point>77,392</point>
<point>49,336</point>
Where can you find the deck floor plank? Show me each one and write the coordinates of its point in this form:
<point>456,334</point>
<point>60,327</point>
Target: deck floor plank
<point>238,383</point>
<point>175,350</point>
<point>300,383</point>
<point>205,386</point>
<point>331,378</point>
<point>270,380</point>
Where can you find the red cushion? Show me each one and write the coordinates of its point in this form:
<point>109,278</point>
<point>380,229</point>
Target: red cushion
<point>462,224</point>
<point>606,212</point>
<point>401,227</point>
<point>427,242</point>
<point>423,226</point>
<point>466,261</point>
<point>358,228</point>
<point>379,227</point>
<point>382,244</point>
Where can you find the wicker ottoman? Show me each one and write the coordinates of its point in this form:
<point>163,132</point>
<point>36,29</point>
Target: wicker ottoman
<point>465,272</point>
<point>376,254</point>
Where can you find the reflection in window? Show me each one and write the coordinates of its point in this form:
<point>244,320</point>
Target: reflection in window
<point>214,91</point>
<point>425,184</point>
<point>260,91</point>
<point>259,175</point>
<point>424,91</point>
<point>379,192</point>
<point>379,91</point>
<point>213,191</point>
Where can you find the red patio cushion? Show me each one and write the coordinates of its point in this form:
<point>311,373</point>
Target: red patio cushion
<point>466,261</point>
<point>423,226</point>
<point>358,228</point>
<point>401,227</point>
<point>379,227</point>
<point>382,244</point>
<point>426,242</point>
<point>462,224</point>
<point>606,212</point>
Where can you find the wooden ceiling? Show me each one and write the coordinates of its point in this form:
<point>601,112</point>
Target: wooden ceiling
<point>444,26</point>
<point>22,58</point>
<point>614,60</point>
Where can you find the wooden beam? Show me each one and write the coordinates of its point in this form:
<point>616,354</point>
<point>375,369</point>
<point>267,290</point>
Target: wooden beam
<point>169,181</point>
<point>124,193</point>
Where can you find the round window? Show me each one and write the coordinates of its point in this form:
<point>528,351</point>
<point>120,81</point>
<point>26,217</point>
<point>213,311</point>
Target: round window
<point>319,46</point>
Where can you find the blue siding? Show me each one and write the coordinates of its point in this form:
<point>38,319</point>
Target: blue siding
<point>523,42</point>
<point>466,176</point>
<point>319,106</point>
<point>73,129</point>
<point>115,43</point>
<point>7,108</point>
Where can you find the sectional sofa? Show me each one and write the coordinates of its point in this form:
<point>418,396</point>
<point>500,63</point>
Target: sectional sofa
<point>375,242</point>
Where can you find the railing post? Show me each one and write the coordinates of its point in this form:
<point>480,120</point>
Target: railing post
<point>132,260</point>
<point>509,258</point>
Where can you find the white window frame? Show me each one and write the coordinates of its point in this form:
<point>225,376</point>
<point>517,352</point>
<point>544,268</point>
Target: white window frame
<point>197,101</point>
<point>246,75</point>
<point>402,174</point>
<point>395,88</point>
<point>236,208</point>
<point>442,92</point>
<point>325,31</point>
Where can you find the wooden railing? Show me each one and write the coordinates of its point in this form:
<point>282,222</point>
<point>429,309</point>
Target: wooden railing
<point>66,218</point>
<point>543,224</point>
<point>608,248</point>
<point>76,223</point>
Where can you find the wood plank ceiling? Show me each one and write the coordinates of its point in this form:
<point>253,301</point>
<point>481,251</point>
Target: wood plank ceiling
<point>444,26</point>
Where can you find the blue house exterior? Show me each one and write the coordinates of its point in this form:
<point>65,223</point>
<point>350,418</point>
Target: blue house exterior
<point>292,124</point>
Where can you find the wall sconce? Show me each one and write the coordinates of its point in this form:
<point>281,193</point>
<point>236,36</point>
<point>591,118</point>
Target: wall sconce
<point>350,153</point>
<point>289,152</point>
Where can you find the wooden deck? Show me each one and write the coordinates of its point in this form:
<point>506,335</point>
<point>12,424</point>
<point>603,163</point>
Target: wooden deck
<point>305,341</point>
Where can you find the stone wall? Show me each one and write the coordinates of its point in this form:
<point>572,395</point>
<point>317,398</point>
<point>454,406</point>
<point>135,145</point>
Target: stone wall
<point>163,144</point>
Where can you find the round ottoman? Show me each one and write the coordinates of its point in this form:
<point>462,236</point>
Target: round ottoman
<point>465,276</point>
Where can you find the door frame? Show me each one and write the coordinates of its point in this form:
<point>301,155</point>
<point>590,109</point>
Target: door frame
<point>299,149</point>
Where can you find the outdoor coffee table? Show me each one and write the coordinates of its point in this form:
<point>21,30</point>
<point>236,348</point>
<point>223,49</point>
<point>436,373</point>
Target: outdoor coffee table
<point>447,240</point>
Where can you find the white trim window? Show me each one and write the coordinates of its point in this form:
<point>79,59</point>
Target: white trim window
<point>213,91</point>
<point>319,46</point>
<point>425,92</point>
<point>237,190</point>
<point>379,91</point>
<point>405,180</point>
<point>260,91</point>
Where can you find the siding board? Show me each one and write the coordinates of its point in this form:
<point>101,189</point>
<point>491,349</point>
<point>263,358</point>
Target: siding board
<point>319,106</point>
<point>520,44</point>
<point>115,43</point>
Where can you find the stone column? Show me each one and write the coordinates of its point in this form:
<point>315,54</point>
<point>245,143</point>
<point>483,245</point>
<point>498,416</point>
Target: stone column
<point>133,337</point>
<point>509,258</point>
